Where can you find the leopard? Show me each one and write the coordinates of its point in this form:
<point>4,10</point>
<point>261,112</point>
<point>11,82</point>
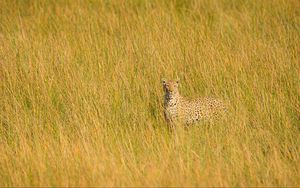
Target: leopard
<point>183,110</point>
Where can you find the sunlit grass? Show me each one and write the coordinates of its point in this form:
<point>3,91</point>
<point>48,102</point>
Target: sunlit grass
<point>81,93</point>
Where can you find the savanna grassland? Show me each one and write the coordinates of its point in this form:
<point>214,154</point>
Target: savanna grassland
<point>82,99</point>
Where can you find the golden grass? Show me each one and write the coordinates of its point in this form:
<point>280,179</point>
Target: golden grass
<point>81,97</point>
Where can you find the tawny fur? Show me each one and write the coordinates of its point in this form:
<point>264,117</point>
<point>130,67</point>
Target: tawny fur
<point>179,109</point>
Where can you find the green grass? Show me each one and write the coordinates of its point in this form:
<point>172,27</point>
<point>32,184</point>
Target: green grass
<point>81,93</point>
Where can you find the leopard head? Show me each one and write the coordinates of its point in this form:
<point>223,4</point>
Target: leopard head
<point>170,88</point>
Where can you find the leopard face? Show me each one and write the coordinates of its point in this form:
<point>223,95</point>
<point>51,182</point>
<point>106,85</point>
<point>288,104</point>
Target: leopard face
<point>170,88</point>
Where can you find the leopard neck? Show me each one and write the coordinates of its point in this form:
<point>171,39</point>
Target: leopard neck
<point>172,100</point>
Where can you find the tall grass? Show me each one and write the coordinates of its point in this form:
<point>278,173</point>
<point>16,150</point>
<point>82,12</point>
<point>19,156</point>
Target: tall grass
<point>81,93</point>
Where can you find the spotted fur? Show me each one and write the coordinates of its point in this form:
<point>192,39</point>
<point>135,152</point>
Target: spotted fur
<point>189,111</point>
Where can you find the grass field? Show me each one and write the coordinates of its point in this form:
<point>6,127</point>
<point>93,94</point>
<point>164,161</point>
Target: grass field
<point>82,99</point>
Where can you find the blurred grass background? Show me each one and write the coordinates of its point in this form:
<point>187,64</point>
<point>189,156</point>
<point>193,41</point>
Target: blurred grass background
<point>81,93</point>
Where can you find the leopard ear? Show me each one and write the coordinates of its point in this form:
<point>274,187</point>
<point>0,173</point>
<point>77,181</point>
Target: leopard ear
<point>177,81</point>
<point>164,81</point>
